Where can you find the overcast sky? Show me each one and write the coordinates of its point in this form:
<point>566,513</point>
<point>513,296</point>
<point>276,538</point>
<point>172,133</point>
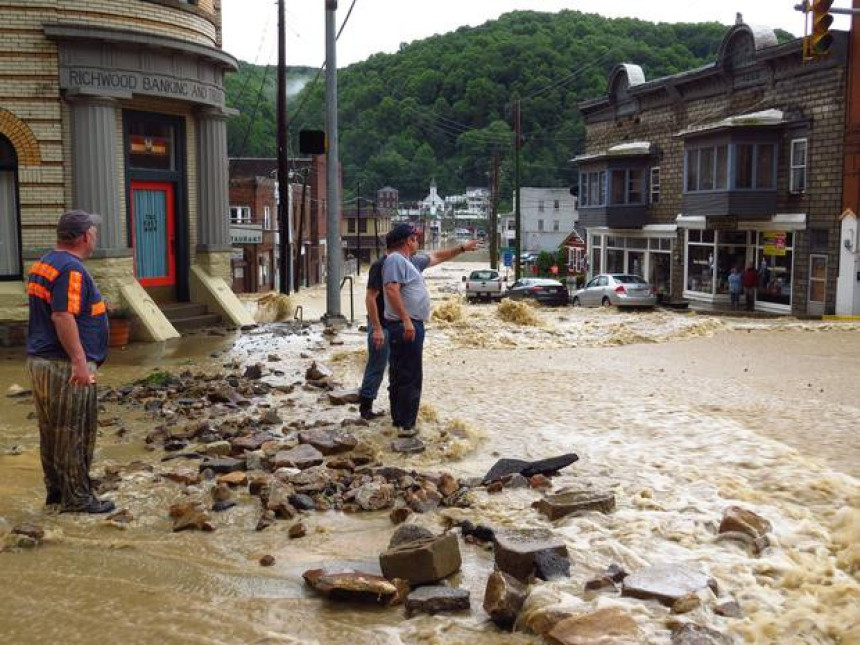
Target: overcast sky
<point>382,25</point>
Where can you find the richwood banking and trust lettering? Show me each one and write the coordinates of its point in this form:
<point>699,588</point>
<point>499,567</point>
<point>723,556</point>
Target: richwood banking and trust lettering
<point>134,82</point>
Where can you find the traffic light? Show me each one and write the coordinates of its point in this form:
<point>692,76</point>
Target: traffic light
<point>312,142</point>
<point>820,39</point>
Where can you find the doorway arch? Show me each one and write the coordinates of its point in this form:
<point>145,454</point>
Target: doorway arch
<point>10,219</point>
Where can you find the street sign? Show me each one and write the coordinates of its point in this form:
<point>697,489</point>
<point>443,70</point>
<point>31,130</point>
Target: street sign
<point>508,257</point>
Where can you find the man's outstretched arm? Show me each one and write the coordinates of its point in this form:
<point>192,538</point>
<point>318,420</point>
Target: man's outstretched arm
<point>443,255</point>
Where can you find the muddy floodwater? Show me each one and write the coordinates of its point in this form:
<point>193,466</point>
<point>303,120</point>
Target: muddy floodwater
<point>679,415</point>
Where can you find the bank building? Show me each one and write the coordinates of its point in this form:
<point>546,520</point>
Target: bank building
<point>117,108</point>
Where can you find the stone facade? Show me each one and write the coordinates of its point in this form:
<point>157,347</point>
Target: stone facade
<point>91,94</point>
<point>752,75</point>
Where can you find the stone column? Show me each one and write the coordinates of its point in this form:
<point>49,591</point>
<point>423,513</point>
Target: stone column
<point>96,182</point>
<point>213,225</point>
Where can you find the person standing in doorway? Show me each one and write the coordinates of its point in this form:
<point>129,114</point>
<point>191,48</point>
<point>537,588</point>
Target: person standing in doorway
<point>750,281</point>
<point>735,288</point>
<point>67,340</point>
<point>407,308</point>
<point>377,341</point>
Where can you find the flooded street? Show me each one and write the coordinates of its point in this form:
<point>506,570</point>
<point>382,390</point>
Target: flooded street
<point>678,415</point>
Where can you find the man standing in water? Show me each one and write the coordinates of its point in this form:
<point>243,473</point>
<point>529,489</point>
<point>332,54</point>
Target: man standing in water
<point>67,339</point>
<point>377,342</point>
<point>407,308</point>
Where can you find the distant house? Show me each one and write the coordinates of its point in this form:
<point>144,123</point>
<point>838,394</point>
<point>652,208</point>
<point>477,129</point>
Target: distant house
<point>388,201</point>
<point>548,217</point>
<point>433,205</point>
<point>363,231</point>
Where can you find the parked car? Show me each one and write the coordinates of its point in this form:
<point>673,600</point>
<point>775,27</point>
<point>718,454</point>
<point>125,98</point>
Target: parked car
<point>486,284</point>
<point>616,289</point>
<point>543,290</point>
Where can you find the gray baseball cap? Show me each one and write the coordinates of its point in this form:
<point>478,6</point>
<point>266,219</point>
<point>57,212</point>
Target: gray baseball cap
<point>75,223</point>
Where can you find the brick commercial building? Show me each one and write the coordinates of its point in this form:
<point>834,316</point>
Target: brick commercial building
<point>734,164</point>
<point>117,108</point>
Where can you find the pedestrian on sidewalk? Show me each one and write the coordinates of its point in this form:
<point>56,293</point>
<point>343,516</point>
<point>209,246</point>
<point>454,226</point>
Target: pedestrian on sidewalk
<point>66,342</point>
<point>750,282</point>
<point>377,341</point>
<point>735,288</point>
<point>407,308</point>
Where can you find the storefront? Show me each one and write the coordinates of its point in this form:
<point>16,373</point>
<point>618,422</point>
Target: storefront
<point>646,252</point>
<point>768,246</point>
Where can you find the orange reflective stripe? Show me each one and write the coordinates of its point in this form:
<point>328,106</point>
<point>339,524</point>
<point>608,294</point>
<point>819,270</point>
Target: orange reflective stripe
<point>44,270</point>
<point>98,308</point>
<point>75,281</point>
<point>37,290</point>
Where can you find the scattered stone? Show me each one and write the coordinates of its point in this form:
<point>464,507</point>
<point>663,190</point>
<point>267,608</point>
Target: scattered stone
<point>223,465</point>
<point>690,634</point>
<point>686,604</point>
<point>539,481</point>
<point>423,561</point>
<point>436,599</point>
<point>122,518</point>
<point>253,372</point>
<point>302,456</point>
<point>409,533</point>
<point>297,530</point>
<point>551,565</point>
<point>480,532</point>
<point>448,485</point>
<point>343,397</point>
<point>329,442</point>
<point>16,391</point>
<point>609,626</point>
<point>221,493</point>
<point>563,504</point>
<point>14,451</point>
<point>515,481</point>
<point>30,530</point>
<point>374,496</point>
<point>190,516</point>
<point>303,502</point>
<point>223,505</point>
<point>236,478</point>
<point>422,500</point>
<point>599,584</point>
<point>495,487</point>
<point>318,372</point>
<point>267,561</point>
<point>504,598</point>
<point>516,552</point>
<point>278,501</point>
<point>351,586</point>
<point>741,520</point>
<point>666,583</point>
<point>271,417</point>
<point>266,520</point>
<point>399,515</point>
<point>410,445</point>
<point>183,476</point>
<point>273,358</point>
<point>215,449</point>
<point>729,609</point>
<point>249,443</point>
<point>528,468</point>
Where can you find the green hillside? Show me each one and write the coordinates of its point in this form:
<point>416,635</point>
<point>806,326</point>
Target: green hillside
<point>441,107</point>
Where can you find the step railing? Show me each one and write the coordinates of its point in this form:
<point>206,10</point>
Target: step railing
<point>351,296</point>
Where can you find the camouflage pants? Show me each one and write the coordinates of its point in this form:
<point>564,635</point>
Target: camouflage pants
<point>67,431</point>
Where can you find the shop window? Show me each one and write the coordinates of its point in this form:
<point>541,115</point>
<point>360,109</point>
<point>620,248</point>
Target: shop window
<point>700,268</point>
<point>731,253</point>
<point>798,166</point>
<point>595,260</point>
<point>775,253</point>
<point>10,255</point>
<point>705,168</point>
<point>150,144</point>
<point>614,261</point>
<point>240,214</point>
<point>655,185</point>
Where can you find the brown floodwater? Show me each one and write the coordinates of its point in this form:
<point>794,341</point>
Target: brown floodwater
<point>678,415</point>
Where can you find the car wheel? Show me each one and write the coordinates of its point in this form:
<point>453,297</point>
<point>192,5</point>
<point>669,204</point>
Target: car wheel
<point>606,302</point>
<point>576,302</point>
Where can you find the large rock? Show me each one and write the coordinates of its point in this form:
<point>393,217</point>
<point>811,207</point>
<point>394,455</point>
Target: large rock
<point>409,533</point>
<point>215,449</point>
<point>223,465</point>
<point>30,530</point>
<point>609,626</point>
<point>436,599</point>
<point>504,598</point>
<point>423,561</point>
<point>374,496</point>
<point>558,506</point>
<point>318,372</point>
<point>504,467</point>
<point>302,456</point>
<point>690,634</point>
<point>327,441</point>
<point>190,517</point>
<point>666,583</point>
<point>249,443</point>
<point>516,551</point>
<point>741,520</point>
<point>343,397</point>
<point>352,586</point>
<point>408,445</point>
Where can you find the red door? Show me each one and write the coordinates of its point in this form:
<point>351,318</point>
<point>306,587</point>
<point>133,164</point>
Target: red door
<point>153,233</point>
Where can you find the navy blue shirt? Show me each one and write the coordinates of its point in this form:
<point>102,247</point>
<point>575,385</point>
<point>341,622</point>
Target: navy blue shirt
<point>374,281</point>
<point>60,283</point>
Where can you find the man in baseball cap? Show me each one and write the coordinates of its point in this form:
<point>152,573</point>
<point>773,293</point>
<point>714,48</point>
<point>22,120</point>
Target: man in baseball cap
<point>399,233</point>
<point>66,342</point>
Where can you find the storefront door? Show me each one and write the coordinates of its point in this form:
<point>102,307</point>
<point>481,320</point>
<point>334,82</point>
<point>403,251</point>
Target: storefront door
<point>153,234</point>
<point>817,285</point>
<point>636,263</point>
<point>10,256</point>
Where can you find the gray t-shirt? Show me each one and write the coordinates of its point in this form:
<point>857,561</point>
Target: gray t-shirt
<point>413,291</point>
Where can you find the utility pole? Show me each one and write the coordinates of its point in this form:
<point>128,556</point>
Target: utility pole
<point>297,273</point>
<point>358,229</point>
<point>494,215</point>
<point>518,134</point>
<point>284,264</point>
<point>334,259</point>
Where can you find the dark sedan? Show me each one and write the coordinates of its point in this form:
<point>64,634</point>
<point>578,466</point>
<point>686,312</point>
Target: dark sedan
<point>543,290</point>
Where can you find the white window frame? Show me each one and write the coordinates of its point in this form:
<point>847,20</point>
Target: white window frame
<point>540,224</point>
<point>555,225</point>
<point>240,215</point>
<point>267,218</point>
<point>654,185</point>
<point>795,166</point>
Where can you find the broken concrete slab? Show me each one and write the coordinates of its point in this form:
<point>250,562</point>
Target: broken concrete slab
<point>351,586</point>
<point>435,599</point>
<point>328,441</point>
<point>563,504</point>
<point>423,561</point>
<point>666,583</point>
<point>505,467</point>
<point>609,626</point>
<point>302,456</point>
<point>516,551</point>
<point>504,598</point>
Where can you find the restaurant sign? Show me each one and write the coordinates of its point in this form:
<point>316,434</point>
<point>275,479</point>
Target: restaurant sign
<point>246,233</point>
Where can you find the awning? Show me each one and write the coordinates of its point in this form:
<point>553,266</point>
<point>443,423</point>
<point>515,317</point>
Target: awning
<point>780,222</point>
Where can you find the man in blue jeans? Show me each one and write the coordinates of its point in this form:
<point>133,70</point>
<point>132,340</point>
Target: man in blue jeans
<point>407,308</point>
<point>377,342</point>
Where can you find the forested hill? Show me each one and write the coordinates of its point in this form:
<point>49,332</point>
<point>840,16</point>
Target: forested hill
<point>441,107</point>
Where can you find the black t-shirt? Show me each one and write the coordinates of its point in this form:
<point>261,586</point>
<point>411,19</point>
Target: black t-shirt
<point>374,281</point>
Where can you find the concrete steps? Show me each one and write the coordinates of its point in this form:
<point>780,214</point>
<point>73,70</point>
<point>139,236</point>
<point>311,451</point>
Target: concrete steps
<point>187,316</point>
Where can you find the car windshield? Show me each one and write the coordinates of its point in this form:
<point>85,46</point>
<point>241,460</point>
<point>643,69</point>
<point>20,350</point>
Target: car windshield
<point>629,279</point>
<point>483,275</point>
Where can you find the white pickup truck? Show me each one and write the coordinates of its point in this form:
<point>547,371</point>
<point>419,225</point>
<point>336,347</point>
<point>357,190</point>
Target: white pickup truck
<point>485,284</point>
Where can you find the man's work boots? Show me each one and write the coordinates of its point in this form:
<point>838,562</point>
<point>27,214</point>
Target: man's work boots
<point>365,409</point>
<point>92,505</point>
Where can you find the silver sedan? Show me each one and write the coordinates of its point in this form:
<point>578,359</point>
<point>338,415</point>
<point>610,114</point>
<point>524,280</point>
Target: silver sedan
<point>615,289</point>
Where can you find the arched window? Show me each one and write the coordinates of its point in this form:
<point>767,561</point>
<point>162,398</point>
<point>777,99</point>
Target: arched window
<point>10,231</point>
